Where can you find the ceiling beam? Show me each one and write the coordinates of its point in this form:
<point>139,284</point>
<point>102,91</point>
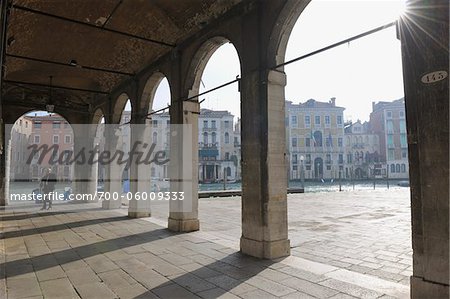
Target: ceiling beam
<point>69,65</point>
<point>61,18</point>
<point>112,13</point>
<point>55,86</point>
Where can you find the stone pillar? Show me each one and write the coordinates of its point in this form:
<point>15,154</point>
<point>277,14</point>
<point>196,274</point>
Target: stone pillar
<point>113,171</point>
<point>140,174</point>
<point>81,171</point>
<point>424,35</point>
<point>5,161</point>
<point>264,177</point>
<point>183,169</point>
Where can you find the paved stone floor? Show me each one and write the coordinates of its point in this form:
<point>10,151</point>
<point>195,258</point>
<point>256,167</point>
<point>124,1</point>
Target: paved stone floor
<point>344,245</point>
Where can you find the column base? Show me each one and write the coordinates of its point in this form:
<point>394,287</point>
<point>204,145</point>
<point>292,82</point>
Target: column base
<point>421,288</point>
<point>138,214</point>
<point>266,249</point>
<point>183,225</point>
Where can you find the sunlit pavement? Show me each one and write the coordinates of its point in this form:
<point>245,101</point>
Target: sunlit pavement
<point>344,245</point>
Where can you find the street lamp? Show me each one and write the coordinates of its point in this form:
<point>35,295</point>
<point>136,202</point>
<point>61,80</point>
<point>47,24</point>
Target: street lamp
<point>302,171</point>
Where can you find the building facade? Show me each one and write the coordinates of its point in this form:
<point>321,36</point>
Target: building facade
<point>218,156</point>
<point>21,135</point>
<point>40,130</point>
<point>388,121</point>
<point>315,139</point>
<point>362,152</point>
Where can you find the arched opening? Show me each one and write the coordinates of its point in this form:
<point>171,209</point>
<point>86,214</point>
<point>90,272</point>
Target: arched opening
<point>38,144</point>
<point>157,98</point>
<point>331,92</point>
<point>218,137</point>
<point>219,119</point>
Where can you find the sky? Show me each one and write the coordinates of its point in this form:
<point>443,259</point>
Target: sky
<point>368,69</point>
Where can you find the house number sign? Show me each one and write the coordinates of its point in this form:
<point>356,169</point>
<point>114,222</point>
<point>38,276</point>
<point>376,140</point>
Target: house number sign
<point>434,77</point>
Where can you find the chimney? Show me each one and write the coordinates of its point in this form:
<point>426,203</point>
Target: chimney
<point>333,101</point>
<point>373,106</point>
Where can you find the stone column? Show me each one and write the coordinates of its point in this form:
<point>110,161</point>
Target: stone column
<point>264,176</point>
<point>140,174</point>
<point>183,169</point>
<point>424,35</point>
<point>113,171</point>
<point>5,162</point>
<point>81,183</point>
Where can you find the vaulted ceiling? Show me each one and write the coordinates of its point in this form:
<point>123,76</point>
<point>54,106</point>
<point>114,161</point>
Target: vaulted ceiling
<point>85,48</point>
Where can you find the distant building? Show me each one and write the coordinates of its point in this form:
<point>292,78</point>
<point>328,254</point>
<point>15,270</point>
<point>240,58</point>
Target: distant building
<point>218,145</point>
<point>315,139</point>
<point>218,156</point>
<point>21,134</point>
<point>362,152</point>
<point>49,130</point>
<point>388,121</point>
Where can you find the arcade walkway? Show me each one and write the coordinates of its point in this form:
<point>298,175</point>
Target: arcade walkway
<point>345,245</point>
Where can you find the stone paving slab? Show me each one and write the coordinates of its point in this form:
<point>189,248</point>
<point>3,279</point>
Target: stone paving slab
<point>80,251</point>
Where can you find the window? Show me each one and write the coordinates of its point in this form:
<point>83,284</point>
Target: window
<point>327,142</point>
<point>67,139</point>
<point>388,114</point>
<point>155,137</point>
<point>401,114</point>
<point>340,142</point>
<point>327,120</point>
<point>226,124</point>
<point>37,139</point>
<point>307,142</point>
<point>390,141</point>
<point>294,159</point>
<point>294,142</point>
<point>205,124</point>
<point>392,168</point>
<point>205,138</point>
<point>308,158</point>
<point>153,172</point>
<point>390,154</point>
<point>307,121</point>
<point>397,168</point>
<point>55,139</point>
<point>294,167</point>
<point>403,142</point>
<point>66,125</point>
<point>227,156</point>
<point>294,120</point>
<point>317,138</point>
<point>402,126</point>
<point>317,120</point>
<point>328,159</point>
<point>227,138</point>
<point>403,168</point>
<point>341,159</point>
<point>308,167</point>
<point>404,154</point>
<point>339,120</point>
<point>37,125</point>
<point>213,124</point>
<point>349,158</point>
<point>56,125</point>
<point>154,123</point>
<point>168,122</point>
<point>213,138</point>
<point>26,124</point>
<point>390,127</point>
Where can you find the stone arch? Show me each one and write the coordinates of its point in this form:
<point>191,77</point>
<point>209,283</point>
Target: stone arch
<point>279,38</point>
<point>148,93</point>
<point>119,106</point>
<point>201,59</point>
